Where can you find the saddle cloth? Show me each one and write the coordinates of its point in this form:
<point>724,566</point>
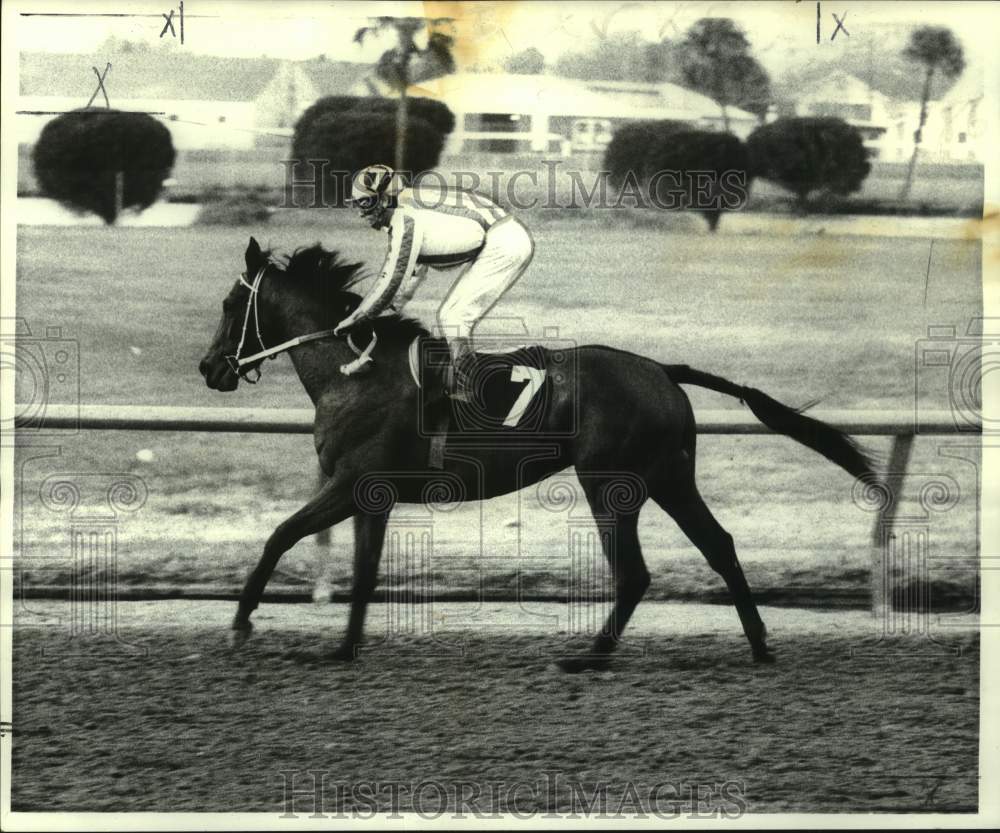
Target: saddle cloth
<point>509,392</point>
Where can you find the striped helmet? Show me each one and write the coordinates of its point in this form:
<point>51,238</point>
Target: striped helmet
<point>370,185</point>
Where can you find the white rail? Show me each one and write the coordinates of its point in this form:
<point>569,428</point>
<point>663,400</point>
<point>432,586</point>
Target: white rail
<point>896,423</point>
<point>903,426</point>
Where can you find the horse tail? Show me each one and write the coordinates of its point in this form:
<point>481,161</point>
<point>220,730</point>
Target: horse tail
<point>835,445</point>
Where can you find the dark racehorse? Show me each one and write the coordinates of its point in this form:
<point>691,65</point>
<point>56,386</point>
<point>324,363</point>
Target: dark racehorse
<point>628,415</point>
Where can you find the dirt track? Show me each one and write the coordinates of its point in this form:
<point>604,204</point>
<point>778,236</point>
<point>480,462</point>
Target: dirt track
<point>191,726</point>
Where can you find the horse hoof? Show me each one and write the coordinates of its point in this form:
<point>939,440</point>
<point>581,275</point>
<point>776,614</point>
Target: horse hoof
<point>576,665</point>
<point>765,656</point>
<point>239,635</point>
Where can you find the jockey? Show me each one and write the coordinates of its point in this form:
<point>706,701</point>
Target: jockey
<point>440,227</point>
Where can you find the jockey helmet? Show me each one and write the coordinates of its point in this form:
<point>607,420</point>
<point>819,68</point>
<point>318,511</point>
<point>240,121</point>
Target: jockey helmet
<point>371,191</point>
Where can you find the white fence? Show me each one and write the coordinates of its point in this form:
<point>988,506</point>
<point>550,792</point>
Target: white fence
<point>903,426</point>
<point>300,420</point>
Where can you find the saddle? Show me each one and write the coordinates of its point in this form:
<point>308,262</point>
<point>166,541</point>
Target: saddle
<point>508,393</point>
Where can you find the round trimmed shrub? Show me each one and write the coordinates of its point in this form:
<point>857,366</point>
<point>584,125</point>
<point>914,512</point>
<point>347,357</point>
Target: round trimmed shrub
<point>803,155</point>
<point>698,170</point>
<point>331,104</point>
<point>627,150</point>
<point>349,141</point>
<point>79,154</point>
<point>435,113</point>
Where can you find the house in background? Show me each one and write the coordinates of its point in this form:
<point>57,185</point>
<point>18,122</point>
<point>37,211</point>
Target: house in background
<point>295,85</point>
<point>214,103</point>
<point>841,95</point>
<point>207,102</point>
<point>504,113</point>
<point>953,131</point>
<point>194,124</point>
<point>210,102</point>
<point>203,100</point>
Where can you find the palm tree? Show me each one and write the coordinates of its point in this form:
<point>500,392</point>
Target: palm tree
<point>715,60</point>
<point>939,51</point>
<point>407,63</point>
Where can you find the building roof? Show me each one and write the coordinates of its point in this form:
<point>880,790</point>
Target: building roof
<point>839,86</point>
<point>170,74</point>
<point>153,73</point>
<point>470,92</point>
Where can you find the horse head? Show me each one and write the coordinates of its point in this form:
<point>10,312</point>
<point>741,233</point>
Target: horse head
<point>272,301</point>
<point>240,330</point>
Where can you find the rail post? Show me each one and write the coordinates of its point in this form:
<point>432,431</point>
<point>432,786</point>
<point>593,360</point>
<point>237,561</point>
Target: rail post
<point>883,533</point>
<point>323,539</point>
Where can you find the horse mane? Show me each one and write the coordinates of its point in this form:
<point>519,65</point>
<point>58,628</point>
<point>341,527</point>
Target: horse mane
<point>322,272</point>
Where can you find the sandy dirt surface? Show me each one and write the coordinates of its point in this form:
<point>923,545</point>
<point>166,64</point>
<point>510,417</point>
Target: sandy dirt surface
<point>168,718</point>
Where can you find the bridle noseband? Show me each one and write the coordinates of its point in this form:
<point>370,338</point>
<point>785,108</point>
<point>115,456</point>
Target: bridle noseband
<point>238,364</point>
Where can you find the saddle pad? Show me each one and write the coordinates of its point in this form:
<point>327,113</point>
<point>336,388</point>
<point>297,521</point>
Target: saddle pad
<point>509,390</point>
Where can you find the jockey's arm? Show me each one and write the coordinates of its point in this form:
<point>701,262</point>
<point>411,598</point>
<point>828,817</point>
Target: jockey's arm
<point>409,287</point>
<point>405,238</point>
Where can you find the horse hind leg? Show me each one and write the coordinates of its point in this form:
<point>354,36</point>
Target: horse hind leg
<point>688,509</point>
<point>618,532</point>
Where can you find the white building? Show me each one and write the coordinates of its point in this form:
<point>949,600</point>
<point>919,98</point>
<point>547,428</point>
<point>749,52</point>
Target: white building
<point>207,102</point>
<point>499,112</point>
<point>235,103</point>
<point>194,124</point>
<point>953,131</point>
<point>844,96</point>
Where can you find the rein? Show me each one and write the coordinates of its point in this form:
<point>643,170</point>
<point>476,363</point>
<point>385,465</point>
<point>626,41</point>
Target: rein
<point>238,363</point>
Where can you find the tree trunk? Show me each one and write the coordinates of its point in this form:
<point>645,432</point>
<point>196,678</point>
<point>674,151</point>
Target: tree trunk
<point>401,125</point>
<point>918,137</point>
<point>119,193</point>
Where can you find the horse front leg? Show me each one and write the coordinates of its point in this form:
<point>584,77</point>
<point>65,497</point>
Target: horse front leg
<point>369,535</point>
<point>334,503</point>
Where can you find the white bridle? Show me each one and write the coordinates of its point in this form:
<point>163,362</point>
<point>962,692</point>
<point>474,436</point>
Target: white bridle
<point>236,362</point>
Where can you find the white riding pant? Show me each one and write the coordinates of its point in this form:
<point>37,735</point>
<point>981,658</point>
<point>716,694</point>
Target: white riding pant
<point>505,255</point>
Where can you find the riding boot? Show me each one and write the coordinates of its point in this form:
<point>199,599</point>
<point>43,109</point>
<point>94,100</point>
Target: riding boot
<point>459,373</point>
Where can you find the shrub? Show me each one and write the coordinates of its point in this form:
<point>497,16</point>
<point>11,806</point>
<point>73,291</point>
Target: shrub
<point>433,112</point>
<point>78,155</point>
<point>626,152</point>
<point>331,104</point>
<point>351,140</point>
<point>698,170</point>
<point>803,155</point>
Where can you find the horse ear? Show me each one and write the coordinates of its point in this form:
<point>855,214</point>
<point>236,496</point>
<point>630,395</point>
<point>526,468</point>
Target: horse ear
<point>253,254</point>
